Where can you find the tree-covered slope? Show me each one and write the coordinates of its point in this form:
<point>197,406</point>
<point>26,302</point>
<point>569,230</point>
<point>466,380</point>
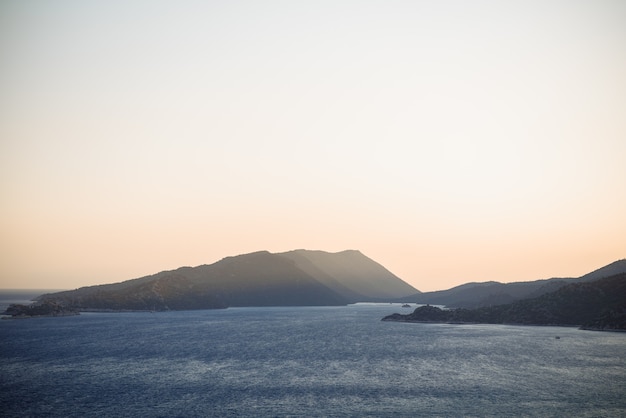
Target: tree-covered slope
<point>599,304</point>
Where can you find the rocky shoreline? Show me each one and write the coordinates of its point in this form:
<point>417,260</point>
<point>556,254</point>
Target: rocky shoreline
<point>36,310</point>
<point>611,321</point>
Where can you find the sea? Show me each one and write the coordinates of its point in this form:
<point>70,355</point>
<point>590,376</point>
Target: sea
<point>304,362</point>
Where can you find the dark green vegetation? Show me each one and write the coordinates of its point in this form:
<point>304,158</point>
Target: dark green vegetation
<point>476,295</point>
<point>295,278</point>
<point>598,304</point>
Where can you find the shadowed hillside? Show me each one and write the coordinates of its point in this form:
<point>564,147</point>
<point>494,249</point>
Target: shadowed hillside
<point>351,274</point>
<point>297,278</point>
<point>475,295</point>
<point>599,304</point>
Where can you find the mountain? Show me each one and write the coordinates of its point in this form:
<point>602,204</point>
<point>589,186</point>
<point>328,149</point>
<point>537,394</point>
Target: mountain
<point>475,295</point>
<point>351,274</point>
<point>599,304</point>
<point>295,278</point>
<point>612,269</point>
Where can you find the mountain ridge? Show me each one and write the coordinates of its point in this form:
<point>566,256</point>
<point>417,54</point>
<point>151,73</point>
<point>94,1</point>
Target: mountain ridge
<point>261,278</point>
<point>598,304</point>
<point>491,293</point>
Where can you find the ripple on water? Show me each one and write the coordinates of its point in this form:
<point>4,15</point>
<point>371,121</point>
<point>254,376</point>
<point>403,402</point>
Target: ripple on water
<point>303,361</point>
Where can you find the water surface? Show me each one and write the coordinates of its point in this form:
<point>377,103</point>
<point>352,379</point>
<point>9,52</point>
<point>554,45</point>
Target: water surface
<point>314,361</point>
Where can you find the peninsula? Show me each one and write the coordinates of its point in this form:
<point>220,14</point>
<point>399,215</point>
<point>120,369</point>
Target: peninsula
<point>294,278</point>
<point>47,308</point>
<point>594,305</point>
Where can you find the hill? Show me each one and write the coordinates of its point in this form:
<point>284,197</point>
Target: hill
<point>351,274</point>
<point>295,278</point>
<point>599,304</point>
<point>475,295</point>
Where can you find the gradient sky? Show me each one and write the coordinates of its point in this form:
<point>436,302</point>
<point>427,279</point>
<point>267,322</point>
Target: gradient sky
<point>451,141</point>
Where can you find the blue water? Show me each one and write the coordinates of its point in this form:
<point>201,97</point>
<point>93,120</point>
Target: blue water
<point>324,361</point>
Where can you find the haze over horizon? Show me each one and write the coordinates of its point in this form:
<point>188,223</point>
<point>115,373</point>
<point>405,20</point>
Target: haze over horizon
<point>450,141</point>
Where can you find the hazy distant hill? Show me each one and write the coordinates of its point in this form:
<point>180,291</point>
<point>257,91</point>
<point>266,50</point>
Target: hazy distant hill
<point>296,278</point>
<point>593,304</point>
<point>351,274</point>
<point>474,295</point>
<point>612,269</point>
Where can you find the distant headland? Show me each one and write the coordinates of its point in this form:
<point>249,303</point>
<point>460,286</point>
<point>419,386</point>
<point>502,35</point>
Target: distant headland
<point>596,300</point>
<point>599,304</point>
<point>47,308</point>
<point>294,278</point>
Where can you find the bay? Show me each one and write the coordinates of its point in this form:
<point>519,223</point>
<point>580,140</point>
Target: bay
<point>303,361</point>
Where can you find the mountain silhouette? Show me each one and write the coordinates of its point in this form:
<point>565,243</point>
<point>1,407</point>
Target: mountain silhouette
<point>598,304</point>
<point>476,295</point>
<point>295,278</point>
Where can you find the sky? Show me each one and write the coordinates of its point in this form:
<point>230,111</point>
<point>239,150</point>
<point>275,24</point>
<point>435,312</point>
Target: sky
<point>450,141</point>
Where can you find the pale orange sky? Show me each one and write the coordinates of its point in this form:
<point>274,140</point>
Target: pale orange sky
<point>451,141</point>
